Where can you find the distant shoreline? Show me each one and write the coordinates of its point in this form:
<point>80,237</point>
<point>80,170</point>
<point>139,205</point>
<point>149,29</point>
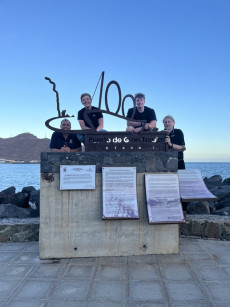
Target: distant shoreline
<point>19,162</point>
<point>2,161</point>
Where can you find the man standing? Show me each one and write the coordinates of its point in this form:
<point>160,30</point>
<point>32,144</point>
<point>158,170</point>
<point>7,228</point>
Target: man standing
<point>175,139</point>
<point>141,113</point>
<point>64,142</point>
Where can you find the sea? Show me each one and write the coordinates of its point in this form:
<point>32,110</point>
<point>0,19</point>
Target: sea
<point>22,175</point>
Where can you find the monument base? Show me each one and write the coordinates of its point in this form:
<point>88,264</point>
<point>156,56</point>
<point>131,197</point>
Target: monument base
<point>71,222</point>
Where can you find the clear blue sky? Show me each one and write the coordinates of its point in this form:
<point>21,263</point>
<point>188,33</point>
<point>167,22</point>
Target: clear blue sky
<point>175,51</point>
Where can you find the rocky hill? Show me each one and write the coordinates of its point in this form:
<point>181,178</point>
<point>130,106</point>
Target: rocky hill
<point>25,146</point>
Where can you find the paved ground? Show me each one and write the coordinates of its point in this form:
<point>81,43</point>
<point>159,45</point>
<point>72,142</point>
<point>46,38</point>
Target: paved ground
<point>198,276</point>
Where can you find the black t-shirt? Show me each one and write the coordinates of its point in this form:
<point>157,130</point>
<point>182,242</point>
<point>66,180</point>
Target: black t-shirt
<point>177,137</point>
<point>148,114</point>
<point>58,141</point>
<point>94,117</point>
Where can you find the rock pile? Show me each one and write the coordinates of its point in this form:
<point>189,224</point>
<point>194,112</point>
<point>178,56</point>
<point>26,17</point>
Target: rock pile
<point>221,189</point>
<point>25,204</point>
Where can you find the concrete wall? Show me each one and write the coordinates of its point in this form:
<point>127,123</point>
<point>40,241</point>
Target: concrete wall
<point>71,222</point>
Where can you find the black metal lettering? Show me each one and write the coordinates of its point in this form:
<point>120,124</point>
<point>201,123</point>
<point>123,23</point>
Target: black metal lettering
<point>123,104</point>
<point>119,95</point>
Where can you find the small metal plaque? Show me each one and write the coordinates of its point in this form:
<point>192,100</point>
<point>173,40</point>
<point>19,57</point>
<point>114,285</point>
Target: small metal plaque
<point>119,193</point>
<point>192,186</point>
<point>77,177</point>
<point>163,199</point>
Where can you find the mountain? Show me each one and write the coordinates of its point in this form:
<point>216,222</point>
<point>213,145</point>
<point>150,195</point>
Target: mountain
<point>25,146</point>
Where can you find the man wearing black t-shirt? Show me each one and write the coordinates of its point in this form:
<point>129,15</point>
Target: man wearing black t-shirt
<point>175,139</point>
<point>96,118</point>
<point>141,113</point>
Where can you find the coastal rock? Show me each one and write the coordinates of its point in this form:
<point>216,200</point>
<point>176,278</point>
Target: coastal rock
<point>201,207</point>
<point>8,191</point>
<point>12,211</point>
<point>215,180</point>
<point>224,211</point>
<point>34,202</point>
<point>226,181</point>
<point>221,191</point>
<point>20,200</point>
<point>28,189</point>
<point>222,203</point>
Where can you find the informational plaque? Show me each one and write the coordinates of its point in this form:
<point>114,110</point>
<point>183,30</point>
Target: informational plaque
<point>77,177</point>
<point>192,186</point>
<point>163,199</point>
<point>119,193</point>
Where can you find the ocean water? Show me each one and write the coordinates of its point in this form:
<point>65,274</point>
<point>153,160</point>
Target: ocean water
<point>21,175</point>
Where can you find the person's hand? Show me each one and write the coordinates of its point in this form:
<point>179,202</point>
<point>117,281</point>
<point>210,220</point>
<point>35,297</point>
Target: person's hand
<point>167,140</point>
<point>65,149</point>
<point>137,130</point>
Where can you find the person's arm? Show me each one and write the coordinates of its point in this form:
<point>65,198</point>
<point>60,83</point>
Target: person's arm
<point>133,124</point>
<point>101,124</point>
<point>75,149</point>
<point>130,123</point>
<point>63,149</point>
<point>82,124</point>
<point>151,125</point>
<point>178,147</point>
<point>174,146</point>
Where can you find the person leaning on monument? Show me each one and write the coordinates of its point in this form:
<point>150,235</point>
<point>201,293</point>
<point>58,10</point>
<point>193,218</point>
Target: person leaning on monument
<point>64,142</point>
<point>96,118</point>
<point>141,113</point>
<point>175,139</point>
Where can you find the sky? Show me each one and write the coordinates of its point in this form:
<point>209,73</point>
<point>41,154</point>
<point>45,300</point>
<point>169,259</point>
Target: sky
<point>177,52</point>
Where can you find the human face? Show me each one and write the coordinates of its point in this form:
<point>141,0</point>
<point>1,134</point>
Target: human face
<point>65,125</point>
<point>168,124</point>
<point>86,101</point>
<point>140,102</point>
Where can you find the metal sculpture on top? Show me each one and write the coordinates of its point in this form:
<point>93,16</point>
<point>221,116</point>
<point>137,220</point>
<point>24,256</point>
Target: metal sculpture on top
<point>121,103</point>
<point>150,140</point>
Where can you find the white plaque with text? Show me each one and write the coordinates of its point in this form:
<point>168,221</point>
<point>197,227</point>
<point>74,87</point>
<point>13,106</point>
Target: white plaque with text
<point>163,198</point>
<point>77,177</point>
<point>192,186</point>
<point>119,193</point>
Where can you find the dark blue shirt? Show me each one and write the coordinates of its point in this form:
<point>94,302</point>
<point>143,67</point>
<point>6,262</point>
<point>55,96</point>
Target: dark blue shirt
<point>58,141</point>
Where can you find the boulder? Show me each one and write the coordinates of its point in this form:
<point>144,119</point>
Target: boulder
<point>213,181</point>
<point>12,211</point>
<point>221,191</point>
<point>224,211</point>
<point>8,191</point>
<point>28,189</point>
<point>223,203</point>
<point>34,202</point>
<point>201,207</point>
<point>20,200</point>
<point>226,181</point>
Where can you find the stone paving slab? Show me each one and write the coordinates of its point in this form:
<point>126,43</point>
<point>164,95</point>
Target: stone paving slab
<point>199,275</point>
